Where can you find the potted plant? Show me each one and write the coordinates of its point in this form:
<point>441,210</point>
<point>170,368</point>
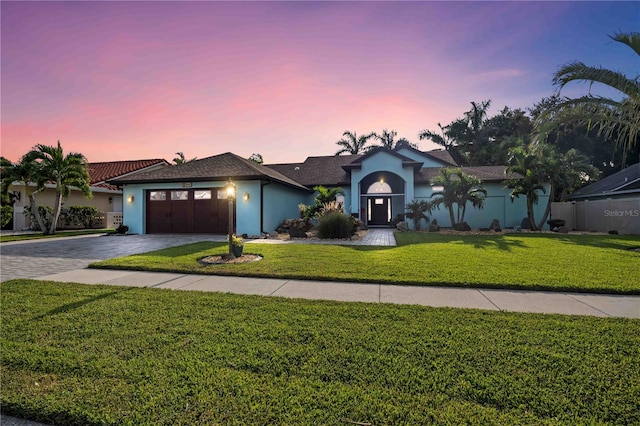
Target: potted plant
<point>237,245</point>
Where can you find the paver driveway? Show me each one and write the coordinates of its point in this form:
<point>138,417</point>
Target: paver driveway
<point>36,258</point>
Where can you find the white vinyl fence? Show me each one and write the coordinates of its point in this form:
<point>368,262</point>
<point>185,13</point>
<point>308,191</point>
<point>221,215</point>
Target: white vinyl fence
<point>621,215</point>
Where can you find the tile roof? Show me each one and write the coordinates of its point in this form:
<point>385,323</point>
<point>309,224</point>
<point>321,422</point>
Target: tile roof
<point>102,171</point>
<point>217,167</point>
<point>626,181</point>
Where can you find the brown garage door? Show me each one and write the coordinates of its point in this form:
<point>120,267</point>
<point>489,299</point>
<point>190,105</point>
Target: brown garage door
<point>187,211</point>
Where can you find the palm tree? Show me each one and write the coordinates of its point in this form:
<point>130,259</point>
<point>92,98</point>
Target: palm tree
<point>351,143</point>
<point>180,159</point>
<point>466,139</point>
<point>416,211</point>
<point>619,119</point>
<point>24,171</point>
<point>386,138</point>
<point>533,170</point>
<point>458,188</point>
<point>64,171</point>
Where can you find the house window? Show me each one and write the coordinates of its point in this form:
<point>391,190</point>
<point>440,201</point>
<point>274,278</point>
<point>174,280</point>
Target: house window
<point>157,195</point>
<point>179,195</point>
<point>379,201</point>
<point>379,188</point>
<point>202,195</point>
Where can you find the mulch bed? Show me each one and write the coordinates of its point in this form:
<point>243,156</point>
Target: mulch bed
<point>224,259</point>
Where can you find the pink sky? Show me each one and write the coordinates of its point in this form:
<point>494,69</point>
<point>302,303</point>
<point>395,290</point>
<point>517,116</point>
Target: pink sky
<point>133,80</point>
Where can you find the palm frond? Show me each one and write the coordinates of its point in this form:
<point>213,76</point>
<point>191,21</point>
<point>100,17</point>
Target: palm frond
<point>631,39</point>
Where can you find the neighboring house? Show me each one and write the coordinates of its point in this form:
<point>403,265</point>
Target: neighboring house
<point>106,198</point>
<point>610,204</point>
<point>377,186</point>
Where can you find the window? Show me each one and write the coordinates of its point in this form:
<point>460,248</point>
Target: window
<point>379,201</point>
<point>157,195</point>
<point>379,188</point>
<point>179,195</point>
<point>202,195</point>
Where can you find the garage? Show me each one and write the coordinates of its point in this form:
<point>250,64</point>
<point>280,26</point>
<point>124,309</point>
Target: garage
<point>187,211</point>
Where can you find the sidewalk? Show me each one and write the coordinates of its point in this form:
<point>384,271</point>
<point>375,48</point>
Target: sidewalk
<point>455,297</point>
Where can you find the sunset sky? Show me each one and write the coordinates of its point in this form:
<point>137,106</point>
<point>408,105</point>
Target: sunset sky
<point>134,80</point>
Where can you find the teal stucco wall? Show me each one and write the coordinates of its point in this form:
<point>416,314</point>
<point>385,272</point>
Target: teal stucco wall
<point>498,205</point>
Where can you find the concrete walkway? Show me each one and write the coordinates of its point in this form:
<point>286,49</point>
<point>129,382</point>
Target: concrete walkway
<point>496,300</point>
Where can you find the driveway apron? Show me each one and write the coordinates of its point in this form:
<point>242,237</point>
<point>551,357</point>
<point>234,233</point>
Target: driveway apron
<point>37,258</point>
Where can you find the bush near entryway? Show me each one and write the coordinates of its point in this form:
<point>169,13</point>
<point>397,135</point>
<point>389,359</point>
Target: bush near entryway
<point>336,225</point>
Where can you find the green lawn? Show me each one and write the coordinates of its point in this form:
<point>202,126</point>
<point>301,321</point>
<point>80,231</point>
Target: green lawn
<point>584,263</point>
<point>36,236</point>
<point>80,354</point>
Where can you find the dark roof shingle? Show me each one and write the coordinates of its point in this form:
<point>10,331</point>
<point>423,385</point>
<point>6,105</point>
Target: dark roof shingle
<point>215,168</point>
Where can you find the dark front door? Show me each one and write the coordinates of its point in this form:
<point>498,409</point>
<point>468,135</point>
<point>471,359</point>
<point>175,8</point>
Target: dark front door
<point>379,207</point>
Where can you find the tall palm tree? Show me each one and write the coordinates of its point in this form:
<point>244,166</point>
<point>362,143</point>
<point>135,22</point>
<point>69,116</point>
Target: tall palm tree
<point>64,171</point>
<point>458,188</point>
<point>534,171</point>
<point>619,119</point>
<point>351,143</point>
<point>25,171</point>
<point>387,138</point>
<point>181,159</point>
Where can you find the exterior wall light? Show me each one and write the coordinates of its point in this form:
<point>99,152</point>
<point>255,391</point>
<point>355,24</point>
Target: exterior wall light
<point>230,189</point>
<point>130,199</point>
<point>246,197</point>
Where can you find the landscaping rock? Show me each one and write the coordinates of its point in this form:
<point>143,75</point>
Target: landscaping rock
<point>495,225</point>
<point>464,226</point>
<point>402,226</point>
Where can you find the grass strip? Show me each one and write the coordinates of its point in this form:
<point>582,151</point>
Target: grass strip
<point>59,234</point>
<point>80,354</point>
<point>580,263</point>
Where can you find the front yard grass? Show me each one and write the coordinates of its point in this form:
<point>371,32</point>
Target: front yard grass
<point>80,354</point>
<point>581,263</point>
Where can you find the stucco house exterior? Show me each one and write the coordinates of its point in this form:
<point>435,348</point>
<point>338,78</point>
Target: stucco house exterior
<point>106,198</point>
<point>377,186</point>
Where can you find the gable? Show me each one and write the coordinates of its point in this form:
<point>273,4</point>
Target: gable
<point>436,158</point>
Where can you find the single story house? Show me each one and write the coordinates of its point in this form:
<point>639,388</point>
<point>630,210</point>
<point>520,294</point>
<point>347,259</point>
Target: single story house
<point>376,187</point>
<point>610,204</point>
<point>106,198</point>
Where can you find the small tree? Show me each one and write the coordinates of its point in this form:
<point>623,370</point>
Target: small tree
<point>325,196</point>
<point>416,211</point>
<point>64,171</point>
<point>25,171</point>
<point>458,188</point>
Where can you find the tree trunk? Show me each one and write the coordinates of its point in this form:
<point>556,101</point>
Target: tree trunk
<point>453,219</point>
<point>547,210</point>
<point>56,212</point>
<point>36,213</point>
<point>530,214</point>
<point>464,209</point>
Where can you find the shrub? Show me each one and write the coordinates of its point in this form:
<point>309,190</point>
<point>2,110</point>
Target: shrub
<point>6,214</point>
<point>46,213</point>
<point>122,229</point>
<point>81,215</point>
<point>336,225</point>
<point>329,208</point>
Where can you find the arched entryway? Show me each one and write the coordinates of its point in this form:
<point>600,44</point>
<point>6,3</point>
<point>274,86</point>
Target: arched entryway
<point>382,198</point>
